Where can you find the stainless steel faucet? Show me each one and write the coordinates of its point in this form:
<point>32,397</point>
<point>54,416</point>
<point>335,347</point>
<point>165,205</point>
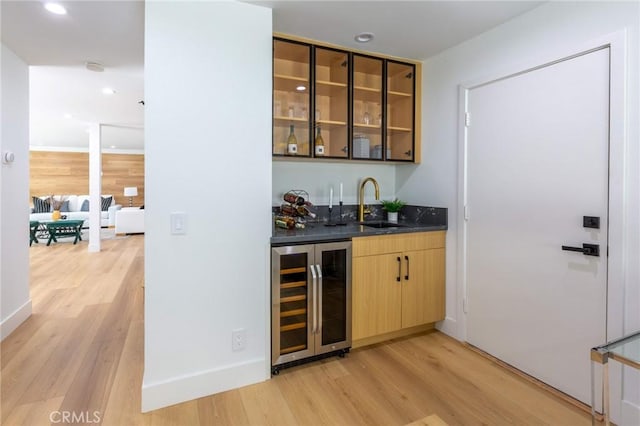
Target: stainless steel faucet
<point>361,209</point>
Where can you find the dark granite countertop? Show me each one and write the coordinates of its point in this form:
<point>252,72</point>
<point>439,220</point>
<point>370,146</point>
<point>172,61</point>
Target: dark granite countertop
<point>412,219</point>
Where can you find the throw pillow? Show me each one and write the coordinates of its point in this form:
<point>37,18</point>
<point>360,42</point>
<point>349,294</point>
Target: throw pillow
<point>40,205</point>
<point>65,206</point>
<point>85,206</point>
<point>106,203</point>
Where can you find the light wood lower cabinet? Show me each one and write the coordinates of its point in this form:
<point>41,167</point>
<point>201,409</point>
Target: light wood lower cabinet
<point>398,282</point>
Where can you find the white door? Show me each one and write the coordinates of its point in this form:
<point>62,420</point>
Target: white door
<point>537,163</point>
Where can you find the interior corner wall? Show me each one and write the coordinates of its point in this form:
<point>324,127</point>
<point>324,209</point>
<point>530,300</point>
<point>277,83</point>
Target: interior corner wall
<point>550,28</point>
<point>15,302</point>
<point>207,158</point>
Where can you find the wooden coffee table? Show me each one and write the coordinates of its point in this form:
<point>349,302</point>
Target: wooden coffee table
<point>64,228</point>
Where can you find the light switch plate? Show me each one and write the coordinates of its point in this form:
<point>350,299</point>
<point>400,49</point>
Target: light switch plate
<point>178,223</point>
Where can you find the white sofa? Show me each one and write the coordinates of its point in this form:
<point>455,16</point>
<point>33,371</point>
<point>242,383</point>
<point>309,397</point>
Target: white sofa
<point>75,202</point>
<point>130,220</point>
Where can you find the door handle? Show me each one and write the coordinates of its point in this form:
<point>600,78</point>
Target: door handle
<point>586,249</point>
<point>406,277</point>
<point>313,296</point>
<point>399,269</point>
<point>319,301</point>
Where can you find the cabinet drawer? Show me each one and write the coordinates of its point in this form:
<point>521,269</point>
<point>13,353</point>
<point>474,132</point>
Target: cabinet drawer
<point>368,246</point>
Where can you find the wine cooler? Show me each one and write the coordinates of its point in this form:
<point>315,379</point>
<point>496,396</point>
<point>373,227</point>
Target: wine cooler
<point>311,302</point>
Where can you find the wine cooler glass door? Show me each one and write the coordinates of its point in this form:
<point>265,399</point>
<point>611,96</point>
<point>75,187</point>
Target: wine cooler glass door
<point>294,281</point>
<point>334,297</point>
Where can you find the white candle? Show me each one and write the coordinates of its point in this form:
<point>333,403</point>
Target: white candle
<point>331,197</point>
<point>340,191</point>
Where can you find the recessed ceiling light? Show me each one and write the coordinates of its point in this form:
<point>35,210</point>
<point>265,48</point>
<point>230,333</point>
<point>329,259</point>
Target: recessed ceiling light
<point>94,66</point>
<point>55,8</point>
<point>364,37</point>
<point>301,88</point>
<point>108,91</point>
<point>68,116</point>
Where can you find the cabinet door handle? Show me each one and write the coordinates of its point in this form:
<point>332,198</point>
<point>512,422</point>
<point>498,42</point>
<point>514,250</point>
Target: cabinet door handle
<point>313,297</point>
<point>406,277</point>
<point>399,269</point>
<point>318,299</point>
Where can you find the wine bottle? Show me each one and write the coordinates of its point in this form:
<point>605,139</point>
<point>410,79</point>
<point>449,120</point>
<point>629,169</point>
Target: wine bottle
<point>292,198</point>
<point>319,144</point>
<point>292,142</point>
<point>304,211</point>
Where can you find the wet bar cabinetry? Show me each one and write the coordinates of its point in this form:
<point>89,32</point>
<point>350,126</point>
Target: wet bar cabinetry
<point>364,106</point>
<point>398,284</point>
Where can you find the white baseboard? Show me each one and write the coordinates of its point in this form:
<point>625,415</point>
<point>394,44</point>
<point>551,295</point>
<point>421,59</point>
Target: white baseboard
<point>630,414</point>
<point>186,388</point>
<point>14,319</point>
<point>449,327</point>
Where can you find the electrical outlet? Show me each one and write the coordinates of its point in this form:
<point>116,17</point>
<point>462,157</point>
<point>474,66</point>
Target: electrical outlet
<point>238,339</point>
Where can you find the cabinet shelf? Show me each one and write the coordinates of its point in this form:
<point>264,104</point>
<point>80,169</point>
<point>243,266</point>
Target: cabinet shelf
<point>399,94</point>
<point>329,88</point>
<point>367,89</point>
<point>293,270</point>
<point>294,326</point>
<point>393,129</point>
<point>367,126</point>
<point>293,312</point>
<point>293,298</point>
<point>293,284</point>
<point>330,123</point>
<point>292,349</point>
<point>367,94</point>
<point>290,84</point>
<point>283,119</point>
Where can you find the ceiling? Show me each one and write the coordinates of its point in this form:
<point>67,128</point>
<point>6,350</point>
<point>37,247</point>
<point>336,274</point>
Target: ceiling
<point>112,33</point>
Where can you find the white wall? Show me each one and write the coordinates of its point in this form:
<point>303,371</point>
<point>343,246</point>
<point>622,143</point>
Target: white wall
<point>317,178</point>
<point>552,27</point>
<point>208,140</point>
<point>14,189</point>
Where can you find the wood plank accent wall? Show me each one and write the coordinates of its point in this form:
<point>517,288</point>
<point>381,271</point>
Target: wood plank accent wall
<point>68,173</point>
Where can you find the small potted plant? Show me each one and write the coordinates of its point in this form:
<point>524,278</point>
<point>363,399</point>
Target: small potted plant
<point>392,207</point>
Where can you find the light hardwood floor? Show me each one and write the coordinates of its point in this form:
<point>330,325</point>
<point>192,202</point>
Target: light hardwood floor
<point>82,352</point>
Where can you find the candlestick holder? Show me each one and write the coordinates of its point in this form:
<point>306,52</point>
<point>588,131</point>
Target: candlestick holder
<point>330,223</point>
<point>340,221</point>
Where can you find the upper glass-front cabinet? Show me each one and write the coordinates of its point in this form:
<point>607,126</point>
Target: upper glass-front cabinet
<point>367,107</point>
<point>400,111</point>
<point>331,135</point>
<point>291,99</point>
<point>335,104</point>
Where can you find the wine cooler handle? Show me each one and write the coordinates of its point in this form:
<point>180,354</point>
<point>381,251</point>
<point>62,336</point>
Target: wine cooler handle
<point>406,277</point>
<point>399,269</point>
<point>319,301</point>
<point>313,296</point>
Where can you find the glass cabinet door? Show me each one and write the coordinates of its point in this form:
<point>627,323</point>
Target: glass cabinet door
<point>291,100</point>
<point>367,107</point>
<point>400,111</point>
<point>331,112</point>
<point>291,303</point>
<point>334,303</point>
